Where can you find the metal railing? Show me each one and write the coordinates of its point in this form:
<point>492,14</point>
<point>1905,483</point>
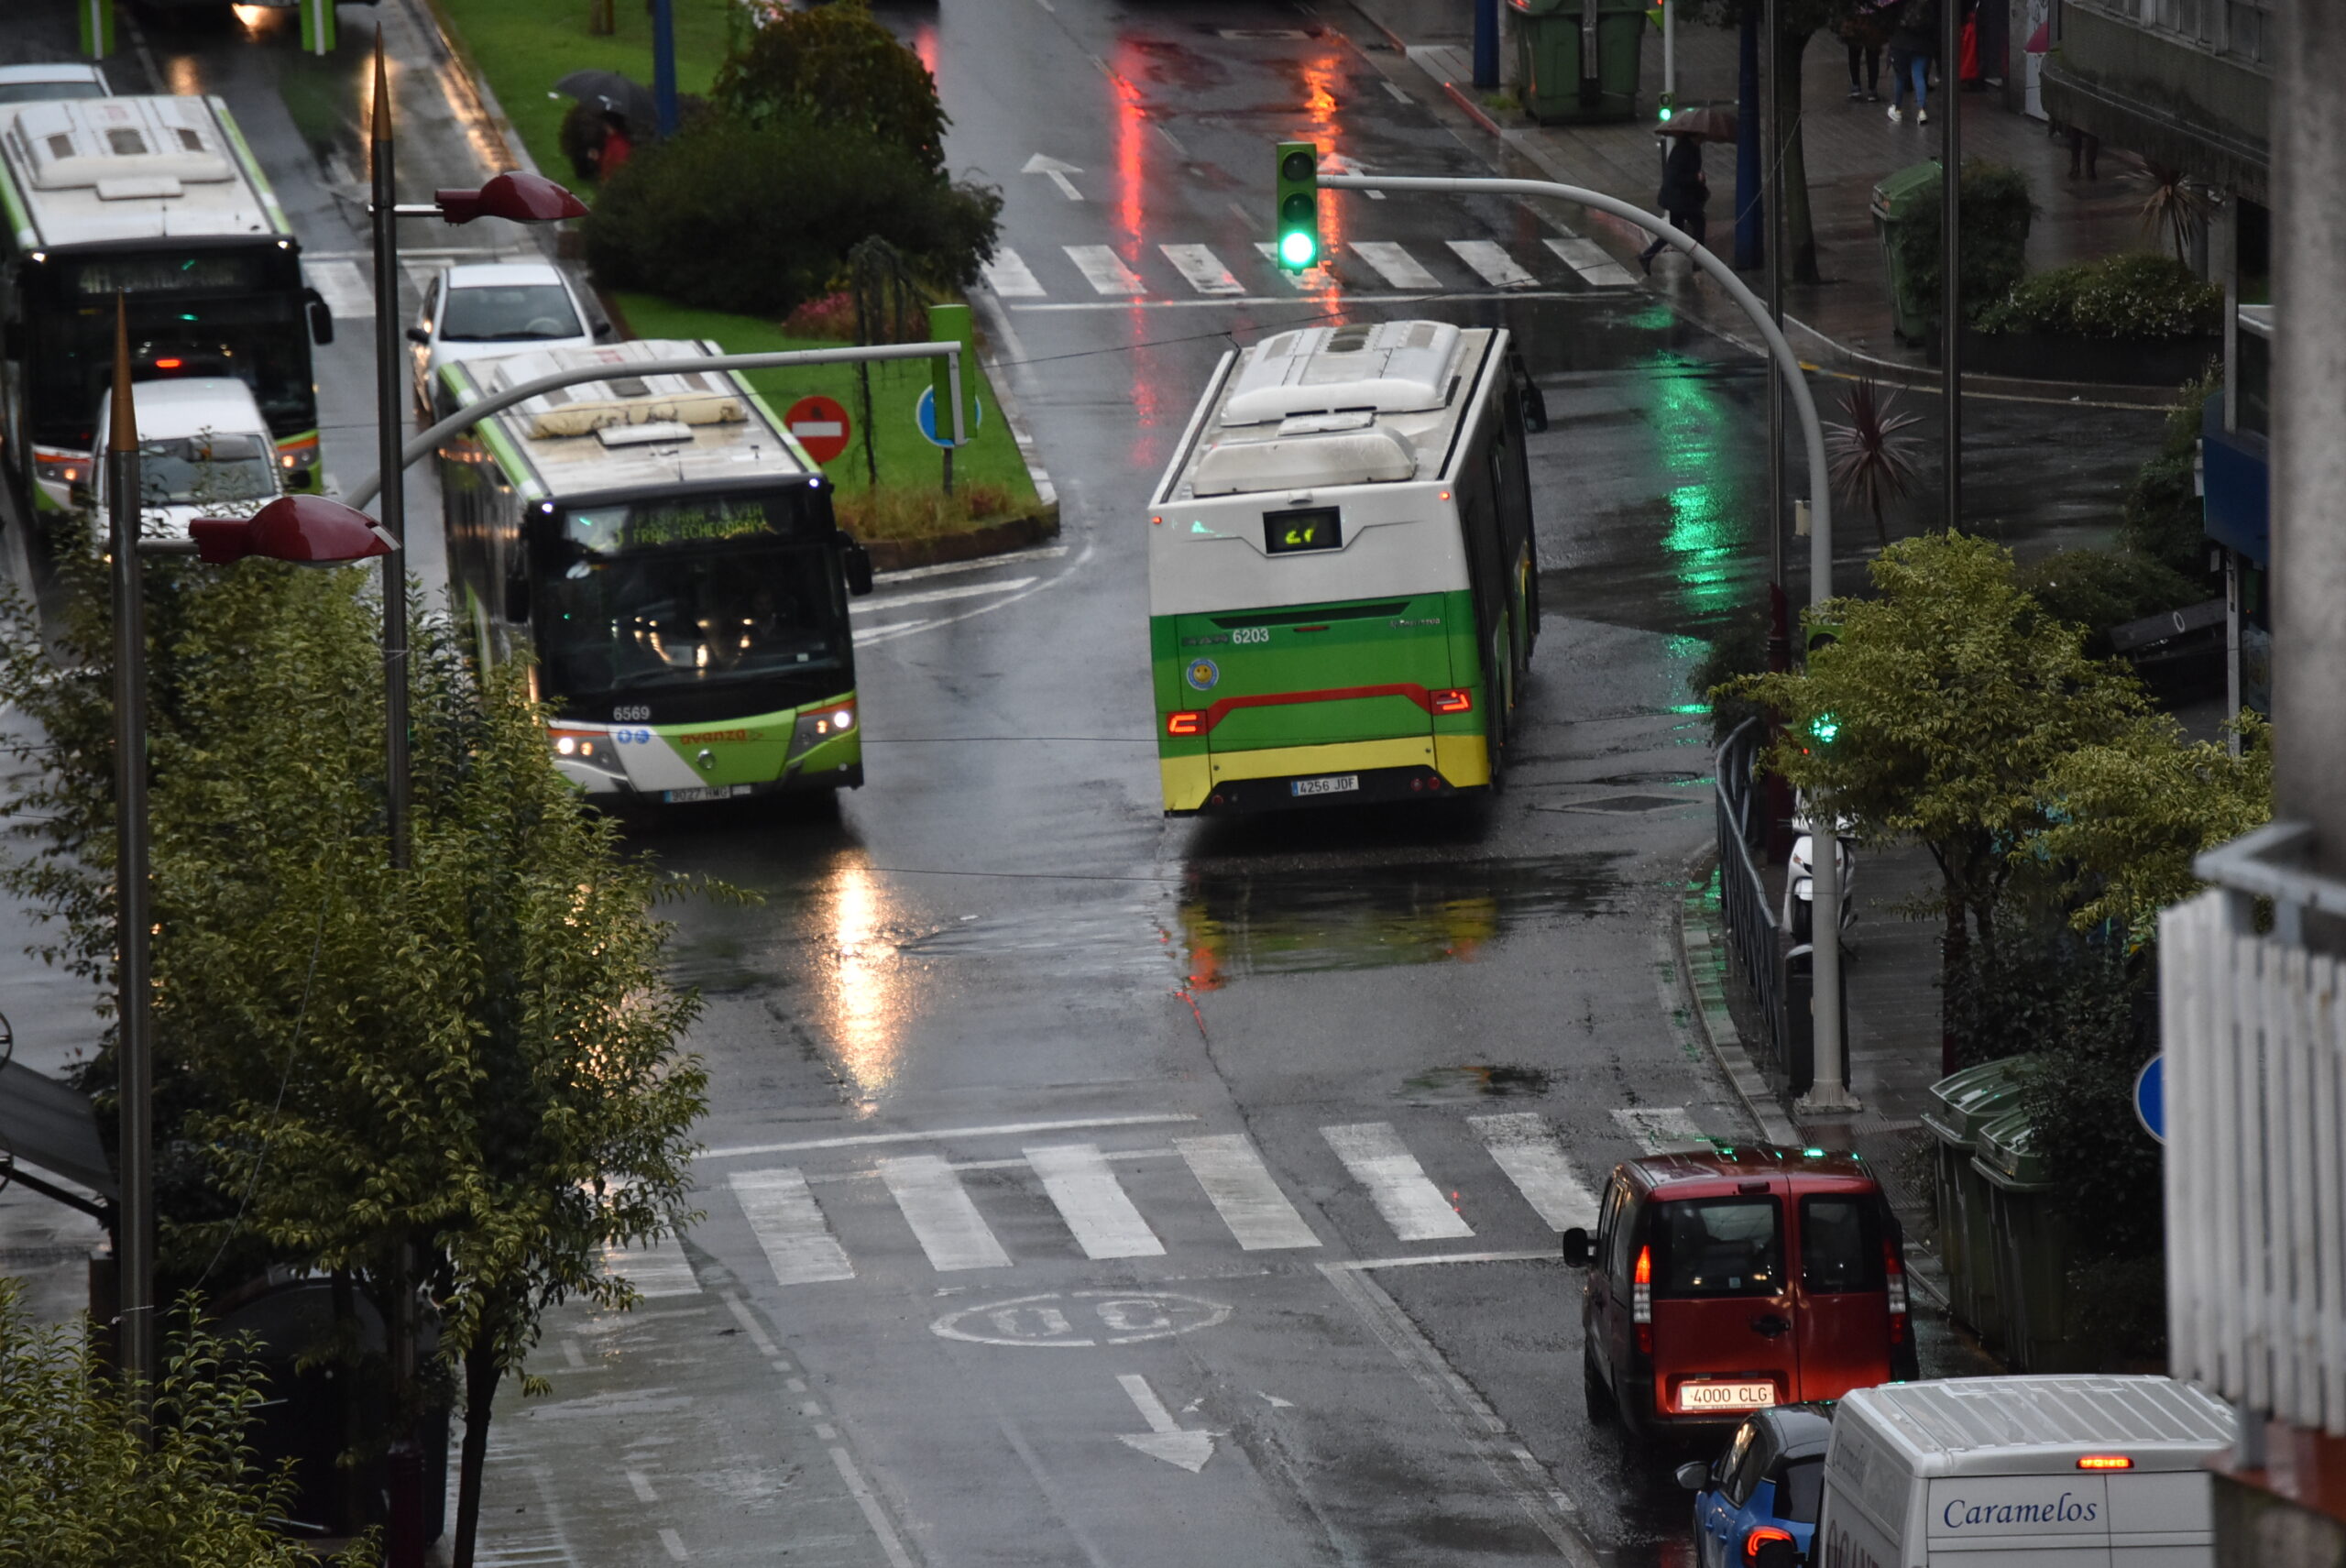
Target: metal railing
<point>2254,1090</point>
<point>2243,30</point>
<point>1753,936</point>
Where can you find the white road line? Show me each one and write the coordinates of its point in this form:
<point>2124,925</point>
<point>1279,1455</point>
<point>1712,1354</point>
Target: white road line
<point>1397,1184</point>
<point>1394,263</point>
<point>944,1219</point>
<point>1489,258</point>
<point>1009,276</point>
<point>796,1238</point>
<point>643,1485</point>
<point>674,1543</point>
<point>1379,296</point>
<point>1659,1127</point>
<point>1242,1192</point>
<point>750,1325</point>
<point>1586,257</point>
<point>1103,269</point>
<point>867,635</point>
<point>656,1269</point>
<point>1310,278</point>
<point>872,1515</point>
<point>1438,1259</point>
<point>1400,94</point>
<point>1000,1130</point>
<point>1091,1202</point>
<point>1203,269</point>
<point>983,563</point>
<point>1525,1147</point>
<point>344,288</point>
<point>938,595</point>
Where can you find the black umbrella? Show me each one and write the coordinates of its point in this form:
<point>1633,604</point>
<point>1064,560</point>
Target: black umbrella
<point>622,96</point>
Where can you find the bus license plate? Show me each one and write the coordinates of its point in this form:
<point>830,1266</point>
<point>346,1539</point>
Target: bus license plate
<point>1726,1395</point>
<point>686,796</point>
<point>1335,783</point>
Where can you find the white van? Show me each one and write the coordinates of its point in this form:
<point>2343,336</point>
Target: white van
<point>2071,1471</point>
<point>203,451</point>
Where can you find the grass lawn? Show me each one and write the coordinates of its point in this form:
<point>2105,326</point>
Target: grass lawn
<point>905,456</point>
<point>524,46</point>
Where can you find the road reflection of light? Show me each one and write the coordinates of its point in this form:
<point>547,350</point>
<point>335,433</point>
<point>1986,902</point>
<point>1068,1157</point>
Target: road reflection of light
<point>181,74</point>
<point>1129,216</point>
<point>250,15</point>
<point>1705,537</point>
<point>863,984</point>
<point>1320,78</point>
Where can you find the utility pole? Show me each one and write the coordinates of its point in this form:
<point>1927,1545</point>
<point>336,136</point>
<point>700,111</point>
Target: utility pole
<point>1951,251</point>
<point>2308,575</point>
<point>134,920</point>
<point>1778,601</point>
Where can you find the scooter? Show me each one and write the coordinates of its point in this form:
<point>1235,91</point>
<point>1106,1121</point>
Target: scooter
<point>1799,890</point>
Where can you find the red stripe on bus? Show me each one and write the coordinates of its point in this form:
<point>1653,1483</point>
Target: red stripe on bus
<point>1214,714</point>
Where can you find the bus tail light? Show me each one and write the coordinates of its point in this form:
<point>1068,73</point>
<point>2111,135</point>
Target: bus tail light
<point>1893,1268</point>
<point>1641,1300</point>
<point>1453,701</point>
<point>1188,721</point>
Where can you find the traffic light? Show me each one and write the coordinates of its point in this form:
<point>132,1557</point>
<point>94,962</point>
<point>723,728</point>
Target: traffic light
<point>1669,106</point>
<point>1299,205</point>
<point>1824,727</point>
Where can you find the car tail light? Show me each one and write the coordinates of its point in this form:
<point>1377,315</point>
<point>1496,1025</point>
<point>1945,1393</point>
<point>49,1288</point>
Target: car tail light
<point>1641,1300</point>
<point>1765,1535</point>
<point>1188,722</point>
<point>2104,1462</point>
<point>1453,701</point>
<point>1894,1281</point>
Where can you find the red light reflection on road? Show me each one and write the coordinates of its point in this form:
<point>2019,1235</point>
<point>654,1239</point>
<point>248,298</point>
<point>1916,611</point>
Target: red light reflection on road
<point>1319,79</point>
<point>1128,217</point>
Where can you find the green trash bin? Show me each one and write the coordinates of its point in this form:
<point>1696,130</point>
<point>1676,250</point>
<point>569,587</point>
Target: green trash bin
<point>1961,1105</point>
<point>1912,318</point>
<point>1577,60</point>
<point>2032,1251</point>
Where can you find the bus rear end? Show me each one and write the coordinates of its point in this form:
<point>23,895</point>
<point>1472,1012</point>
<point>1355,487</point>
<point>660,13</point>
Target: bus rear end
<point>1314,656</point>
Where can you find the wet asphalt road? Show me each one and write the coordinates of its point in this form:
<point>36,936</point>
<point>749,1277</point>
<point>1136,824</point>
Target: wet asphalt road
<point>898,1335</point>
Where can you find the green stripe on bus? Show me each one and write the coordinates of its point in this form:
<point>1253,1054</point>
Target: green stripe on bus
<point>20,216</point>
<point>252,168</point>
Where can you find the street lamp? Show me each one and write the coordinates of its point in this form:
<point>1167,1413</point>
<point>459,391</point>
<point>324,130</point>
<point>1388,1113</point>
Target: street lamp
<point>310,529</point>
<point>517,196</point>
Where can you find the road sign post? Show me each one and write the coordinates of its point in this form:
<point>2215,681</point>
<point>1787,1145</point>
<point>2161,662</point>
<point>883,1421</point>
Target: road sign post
<point>820,425</point>
<point>950,384</point>
<point>317,27</point>
<point>95,21</point>
<point>925,416</point>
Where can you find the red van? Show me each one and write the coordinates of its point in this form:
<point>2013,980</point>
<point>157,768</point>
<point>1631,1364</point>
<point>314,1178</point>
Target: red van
<point>1728,1279</point>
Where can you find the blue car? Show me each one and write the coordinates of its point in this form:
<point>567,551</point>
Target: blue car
<point>1755,1506</point>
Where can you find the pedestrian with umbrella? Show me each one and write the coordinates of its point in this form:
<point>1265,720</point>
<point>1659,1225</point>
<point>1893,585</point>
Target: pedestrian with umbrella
<point>1685,189</point>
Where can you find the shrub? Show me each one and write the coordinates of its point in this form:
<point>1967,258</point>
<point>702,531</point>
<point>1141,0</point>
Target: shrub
<point>2164,518</point>
<point>1996,214</point>
<point>835,64</point>
<point>2101,588</point>
<point>1739,647</point>
<point>2141,297</point>
<point>759,219</point>
<point>910,511</point>
<point>831,318</point>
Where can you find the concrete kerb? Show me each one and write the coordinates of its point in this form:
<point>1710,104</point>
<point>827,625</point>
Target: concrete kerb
<point>1701,943</point>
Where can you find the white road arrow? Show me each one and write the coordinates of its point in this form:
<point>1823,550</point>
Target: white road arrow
<point>1164,1440</point>
<point>1337,163</point>
<point>1056,173</point>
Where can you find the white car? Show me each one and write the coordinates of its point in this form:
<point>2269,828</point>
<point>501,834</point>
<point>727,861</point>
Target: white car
<point>480,310</point>
<point>203,451</point>
<point>38,83</point>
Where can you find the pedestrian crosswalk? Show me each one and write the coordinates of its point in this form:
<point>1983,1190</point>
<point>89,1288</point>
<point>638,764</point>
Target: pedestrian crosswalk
<point>1143,1201</point>
<point>1197,273</point>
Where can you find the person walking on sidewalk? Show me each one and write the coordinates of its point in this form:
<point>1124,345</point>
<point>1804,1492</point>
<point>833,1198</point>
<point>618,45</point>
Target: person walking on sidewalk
<point>1914,44</point>
<point>1686,190</point>
<point>1863,32</point>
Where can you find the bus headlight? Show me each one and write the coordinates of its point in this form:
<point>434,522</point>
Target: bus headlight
<point>816,725</point>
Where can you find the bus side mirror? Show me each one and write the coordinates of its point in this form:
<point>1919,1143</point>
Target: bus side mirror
<point>857,561</point>
<point>321,318</point>
<point>1535,408</point>
<point>1576,1250</point>
<point>605,331</point>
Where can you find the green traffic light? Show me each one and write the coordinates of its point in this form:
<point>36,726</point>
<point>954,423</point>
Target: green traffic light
<point>1296,198</point>
<point>1824,727</point>
<point>1666,111</point>
<point>1297,250</point>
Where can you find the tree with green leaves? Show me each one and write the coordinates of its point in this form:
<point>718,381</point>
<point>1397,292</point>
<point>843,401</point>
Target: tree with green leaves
<point>94,1475</point>
<point>464,1074</point>
<point>1950,698</point>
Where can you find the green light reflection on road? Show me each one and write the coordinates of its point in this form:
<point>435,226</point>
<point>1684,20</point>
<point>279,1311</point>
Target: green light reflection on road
<point>1705,537</point>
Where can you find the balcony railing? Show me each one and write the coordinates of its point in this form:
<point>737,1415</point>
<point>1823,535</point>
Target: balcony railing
<point>2254,1026</point>
<point>2238,29</point>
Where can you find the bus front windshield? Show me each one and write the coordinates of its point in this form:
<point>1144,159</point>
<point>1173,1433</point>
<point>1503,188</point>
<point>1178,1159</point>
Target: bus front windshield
<point>688,594</point>
<point>255,332</point>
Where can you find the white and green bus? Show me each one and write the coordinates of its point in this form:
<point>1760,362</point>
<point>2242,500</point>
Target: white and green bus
<point>159,199</point>
<point>1342,587</point>
<point>665,553</point>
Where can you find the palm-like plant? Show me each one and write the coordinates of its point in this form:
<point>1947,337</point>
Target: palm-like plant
<point>1873,457</point>
<point>2174,206</point>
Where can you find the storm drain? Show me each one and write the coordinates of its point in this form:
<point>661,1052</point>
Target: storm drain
<point>1629,804</point>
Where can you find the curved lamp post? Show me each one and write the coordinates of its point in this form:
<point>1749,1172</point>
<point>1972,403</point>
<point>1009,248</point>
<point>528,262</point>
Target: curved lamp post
<point>310,529</point>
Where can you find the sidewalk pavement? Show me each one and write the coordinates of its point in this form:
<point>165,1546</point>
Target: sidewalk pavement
<point>1845,321</point>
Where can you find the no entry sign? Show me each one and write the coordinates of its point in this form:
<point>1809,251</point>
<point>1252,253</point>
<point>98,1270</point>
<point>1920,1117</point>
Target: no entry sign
<point>820,424</point>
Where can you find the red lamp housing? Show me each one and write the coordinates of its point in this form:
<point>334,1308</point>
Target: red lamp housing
<point>517,195</point>
<point>310,531</point>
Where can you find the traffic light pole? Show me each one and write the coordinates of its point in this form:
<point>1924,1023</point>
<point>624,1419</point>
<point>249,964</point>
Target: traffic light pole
<point>1831,1090</point>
